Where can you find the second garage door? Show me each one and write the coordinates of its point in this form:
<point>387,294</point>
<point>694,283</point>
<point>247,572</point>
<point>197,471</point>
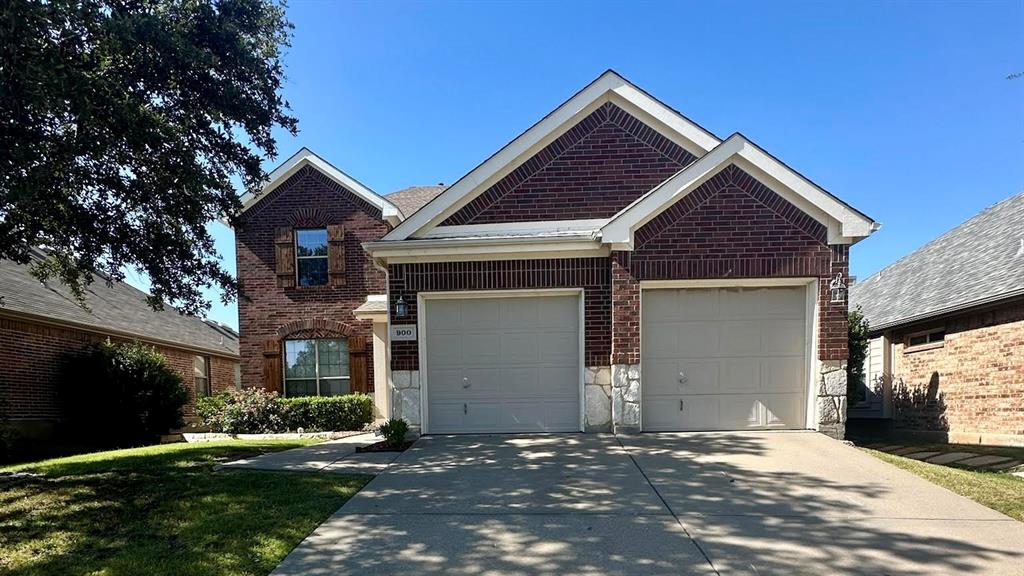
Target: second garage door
<point>506,364</point>
<point>724,358</point>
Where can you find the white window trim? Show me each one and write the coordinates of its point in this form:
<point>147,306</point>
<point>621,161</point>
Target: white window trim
<point>421,324</point>
<point>929,345</point>
<point>316,367</point>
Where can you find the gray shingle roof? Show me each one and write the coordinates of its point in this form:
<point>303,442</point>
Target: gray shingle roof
<point>979,261</point>
<point>119,308</point>
<point>411,199</point>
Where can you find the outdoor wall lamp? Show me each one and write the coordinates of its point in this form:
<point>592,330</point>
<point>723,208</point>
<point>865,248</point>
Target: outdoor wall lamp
<point>838,289</point>
<point>401,308</point>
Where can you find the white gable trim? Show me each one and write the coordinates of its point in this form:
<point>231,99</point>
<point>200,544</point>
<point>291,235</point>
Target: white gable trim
<point>845,225</point>
<point>306,157</point>
<point>609,87</point>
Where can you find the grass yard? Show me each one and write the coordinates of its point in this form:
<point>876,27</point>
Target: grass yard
<point>162,510</point>
<point>999,491</point>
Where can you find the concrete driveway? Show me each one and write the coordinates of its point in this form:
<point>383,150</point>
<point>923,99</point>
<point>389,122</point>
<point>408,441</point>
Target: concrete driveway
<point>696,503</point>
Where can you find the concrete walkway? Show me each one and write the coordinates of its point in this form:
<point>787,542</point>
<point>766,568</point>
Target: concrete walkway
<point>699,503</point>
<point>336,456</point>
<point>961,457</point>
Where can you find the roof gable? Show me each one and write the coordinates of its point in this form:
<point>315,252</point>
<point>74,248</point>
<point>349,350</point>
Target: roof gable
<point>593,170</point>
<point>305,157</point>
<point>845,224</point>
<point>609,87</point>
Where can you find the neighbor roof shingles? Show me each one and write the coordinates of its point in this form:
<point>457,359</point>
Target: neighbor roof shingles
<point>979,261</point>
<point>409,200</point>
<point>119,308</point>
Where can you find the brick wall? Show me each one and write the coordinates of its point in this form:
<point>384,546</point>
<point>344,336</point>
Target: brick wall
<point>594,170</point>
<point>307,199</point>
<point>732,226</point>
<point>973,383</point>
<point>591,274</point>
<point>31,354</point>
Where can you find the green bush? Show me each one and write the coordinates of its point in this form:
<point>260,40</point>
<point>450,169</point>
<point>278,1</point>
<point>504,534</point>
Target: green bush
<point>328,413</point>
<point>255,411</point>
<point>118,395</point>
<point>394,432</point>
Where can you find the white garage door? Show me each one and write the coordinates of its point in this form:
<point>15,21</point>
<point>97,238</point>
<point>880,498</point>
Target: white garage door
<point>509,364</point>
<point>724,358</point>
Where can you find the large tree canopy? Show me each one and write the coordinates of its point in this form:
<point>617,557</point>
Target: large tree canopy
<point>123,125</point>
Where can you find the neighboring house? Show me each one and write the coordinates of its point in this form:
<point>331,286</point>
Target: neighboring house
<point>42,323</point>
<point>614,267</point>
<point>946,355</point>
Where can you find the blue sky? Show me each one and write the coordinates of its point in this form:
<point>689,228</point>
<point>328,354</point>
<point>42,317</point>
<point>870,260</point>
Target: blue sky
<point>901,109</point>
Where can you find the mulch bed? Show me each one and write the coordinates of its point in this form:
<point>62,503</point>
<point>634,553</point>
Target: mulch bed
<point>383,447</point>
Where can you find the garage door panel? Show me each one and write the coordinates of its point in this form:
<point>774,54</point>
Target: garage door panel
<point>782,337</point>
<point>739,338</point>
<point>740,375</point>
<point>508,365</point>
<point>742,352</point>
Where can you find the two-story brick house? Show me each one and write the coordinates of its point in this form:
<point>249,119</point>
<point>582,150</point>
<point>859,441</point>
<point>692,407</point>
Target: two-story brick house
<point>614,267</point>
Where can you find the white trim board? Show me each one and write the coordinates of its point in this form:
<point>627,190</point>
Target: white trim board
<point>845,225</point>
<point>305,157</point>
<point>609,87</point>
<point>421,331</point>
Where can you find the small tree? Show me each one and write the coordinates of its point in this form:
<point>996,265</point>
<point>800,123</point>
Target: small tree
<point>858,347</point>
<point>121,395</point>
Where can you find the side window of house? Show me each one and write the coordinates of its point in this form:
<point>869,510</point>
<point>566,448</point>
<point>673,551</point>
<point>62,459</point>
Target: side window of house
<point>923,338</point>
<point>311,256</point>
<point>316,367</point>
<point>201,374</point>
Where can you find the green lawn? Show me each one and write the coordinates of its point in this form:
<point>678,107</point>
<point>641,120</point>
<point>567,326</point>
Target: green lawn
<point>999,491</point>
<point>162,510</point>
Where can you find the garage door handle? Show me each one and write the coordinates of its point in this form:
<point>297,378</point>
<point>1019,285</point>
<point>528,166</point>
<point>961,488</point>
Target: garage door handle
<point>680,405</point>
<point>682,378</point>
<point>465,383</point>
<point>465,408</point>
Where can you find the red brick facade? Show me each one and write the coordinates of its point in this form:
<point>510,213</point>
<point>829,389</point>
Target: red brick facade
<point>732,226</point>
<point>970,384</point>
<point>594,170</point>
<point>31,356</point>
<point>266,312</point>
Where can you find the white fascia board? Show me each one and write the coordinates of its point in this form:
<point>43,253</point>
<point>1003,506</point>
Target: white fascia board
<point>608,87</point>
<point>440,250</point>
<point>306,157</point>
<point>845,225</point>
<point>517,228</point>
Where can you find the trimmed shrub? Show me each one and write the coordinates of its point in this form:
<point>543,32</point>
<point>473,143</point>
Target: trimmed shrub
<point>328,413</point>
<point>394,432</point>
<point>255,411</point>
<point>118,395</point>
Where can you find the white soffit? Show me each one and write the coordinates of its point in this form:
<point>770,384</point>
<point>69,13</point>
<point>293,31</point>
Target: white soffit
<point>845,225</point>
<point>306,157</point>
<point>609,87</point>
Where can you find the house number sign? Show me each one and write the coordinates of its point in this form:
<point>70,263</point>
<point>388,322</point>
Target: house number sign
<point>403,332</point>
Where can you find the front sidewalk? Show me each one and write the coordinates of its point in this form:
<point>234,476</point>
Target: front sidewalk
<point>335,456</point>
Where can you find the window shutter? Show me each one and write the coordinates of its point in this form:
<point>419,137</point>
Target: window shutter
<point>336,254</point>
<point>284,256</point>
<point>358,364</point>
<point>272,366</point>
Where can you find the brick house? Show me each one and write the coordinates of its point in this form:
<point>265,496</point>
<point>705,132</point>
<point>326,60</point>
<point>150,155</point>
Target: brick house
<point>614,267</point>
<point>946,356</point>
<point>41,323</point>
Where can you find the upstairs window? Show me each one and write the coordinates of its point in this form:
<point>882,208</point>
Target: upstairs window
<point>316,367</point>
<point>311,256</point>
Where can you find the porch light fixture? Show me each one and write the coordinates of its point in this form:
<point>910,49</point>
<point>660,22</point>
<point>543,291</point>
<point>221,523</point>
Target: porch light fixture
<point>838,289</point>
<point>401,308</point>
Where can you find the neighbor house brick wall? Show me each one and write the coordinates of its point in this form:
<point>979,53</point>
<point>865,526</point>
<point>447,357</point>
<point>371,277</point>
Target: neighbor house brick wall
<point>308,199</point>
<point>595,169</point>
<point>731,226</point>
<point>973,383</point>
<point>32,353</point>
<point>591,274</point>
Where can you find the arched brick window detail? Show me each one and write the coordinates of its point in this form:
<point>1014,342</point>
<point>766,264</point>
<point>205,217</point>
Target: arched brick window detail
<point>312,328</point>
